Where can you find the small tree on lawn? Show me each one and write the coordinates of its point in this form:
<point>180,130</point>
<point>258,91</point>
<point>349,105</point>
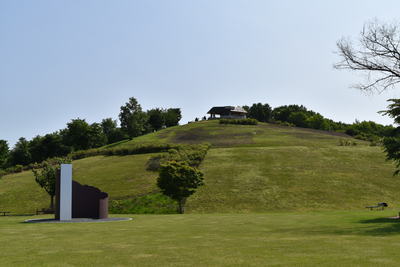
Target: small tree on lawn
<point>46,178</point>
<point>179,181</point>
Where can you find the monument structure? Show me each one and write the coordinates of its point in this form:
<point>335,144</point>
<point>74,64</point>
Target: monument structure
<point>74,200</point>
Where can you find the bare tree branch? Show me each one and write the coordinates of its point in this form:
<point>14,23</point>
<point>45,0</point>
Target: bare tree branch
<point>377,54</point>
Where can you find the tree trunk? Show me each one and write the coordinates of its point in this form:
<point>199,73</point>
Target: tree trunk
<point>181,205</point>
<point>52,202</point>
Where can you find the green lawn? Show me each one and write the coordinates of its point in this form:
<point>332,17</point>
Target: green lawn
<point>259,179</point>
<point>335,238</point>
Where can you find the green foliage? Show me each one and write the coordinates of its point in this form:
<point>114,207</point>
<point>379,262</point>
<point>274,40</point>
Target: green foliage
<point>19,168</point>
<point>14,169</point>
<point>80,135</point>
<point>393,110</point>
<point>239,121</point>
<point>76,135</point>
<point>317,121</point>
<point>112,132</point>
<point>260,112</point>
<point>108,126</point>
<point>392,149</point>
<point>347,142</point>
<point>172,117</point>
<point>4,151</point>
<point>391,142</point>
<point>132,150</point>
<point>97,137</point>
<point>20,153</point>
<point>133,119</point>
<point>191,154</point>
<point>282,113</point>
<point>48,146</point>
<point>285,123</point>
<point>46,178</point>
<point>154,203</point>
<point>45,173</point>
<point>179,181</point>
<point>298,118</point>
<point>156,118</point>
<point>368,130</point>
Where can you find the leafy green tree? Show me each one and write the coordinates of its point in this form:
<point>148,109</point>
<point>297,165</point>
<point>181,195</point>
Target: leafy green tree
<point>117,135</point>
<point>46,178</point>
<point>77,134</point>
<point>260,112</point>
<point>97,137</point>
<point>133,119</point>
<point>179,181</point>
<point>391,143</point>
<point>317,121</point>
<point>109,126</point>
<point>4,152</point>
<point>298,118</point>
<point>20,153</point>
<point>112,132</point>
<point>48,146</point>
<point>81,135</point>
<point>172,117</point>
<point>369,130</point>
<point>156,118</point>
<point>282,113</point>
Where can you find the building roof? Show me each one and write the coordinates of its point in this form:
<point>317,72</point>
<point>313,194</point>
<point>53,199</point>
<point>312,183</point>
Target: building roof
<point>226,110</point>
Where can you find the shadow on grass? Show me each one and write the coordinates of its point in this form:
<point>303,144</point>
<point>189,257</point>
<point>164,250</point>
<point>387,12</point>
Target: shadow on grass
<point>366,227</point>
<point>371,227</point>
<point>385,226</point>
<point>380,220</point>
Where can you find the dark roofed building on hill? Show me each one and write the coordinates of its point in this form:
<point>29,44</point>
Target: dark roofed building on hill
<point>227,112</point>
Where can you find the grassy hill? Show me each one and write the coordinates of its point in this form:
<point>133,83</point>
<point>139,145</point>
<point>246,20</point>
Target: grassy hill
<point>256,168</point>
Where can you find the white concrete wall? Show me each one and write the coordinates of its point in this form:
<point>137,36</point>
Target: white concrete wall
<point>66,192</point>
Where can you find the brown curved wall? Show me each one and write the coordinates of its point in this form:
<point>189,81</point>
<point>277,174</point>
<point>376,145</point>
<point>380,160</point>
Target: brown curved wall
<point>87,201</point>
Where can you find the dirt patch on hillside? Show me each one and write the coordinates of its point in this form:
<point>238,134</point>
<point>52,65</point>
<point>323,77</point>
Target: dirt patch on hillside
<point>301,132</point>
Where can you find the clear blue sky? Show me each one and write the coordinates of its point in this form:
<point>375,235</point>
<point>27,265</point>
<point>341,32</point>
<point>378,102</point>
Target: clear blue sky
<point>61,60</point>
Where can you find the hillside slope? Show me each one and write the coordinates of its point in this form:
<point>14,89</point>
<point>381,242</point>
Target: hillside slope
<point>248,169</point>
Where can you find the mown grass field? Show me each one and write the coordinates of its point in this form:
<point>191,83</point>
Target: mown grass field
<point>331,238</point>
<point>257,179</point>
<point>248,169</point>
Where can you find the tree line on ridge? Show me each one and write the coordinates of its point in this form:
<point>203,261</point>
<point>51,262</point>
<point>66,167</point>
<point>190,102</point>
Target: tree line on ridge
<point>81,135</point>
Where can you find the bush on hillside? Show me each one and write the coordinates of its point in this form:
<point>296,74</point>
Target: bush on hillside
<point>284,123</point>
<point>138,149</point>
<point>193,155</point>
<point>20,168</point>
<point>239,121</point>
<point>346,142</point>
